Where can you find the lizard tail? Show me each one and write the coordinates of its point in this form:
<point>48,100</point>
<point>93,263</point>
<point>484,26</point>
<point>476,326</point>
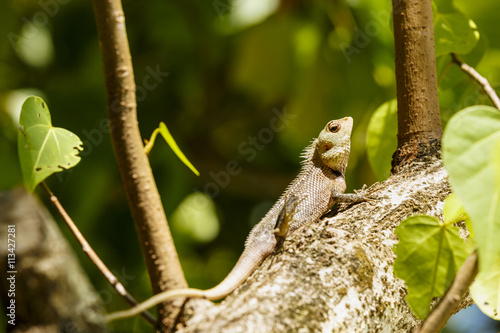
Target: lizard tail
<point>247,263</point>
<point>249,260</point>
<point>152,301</point>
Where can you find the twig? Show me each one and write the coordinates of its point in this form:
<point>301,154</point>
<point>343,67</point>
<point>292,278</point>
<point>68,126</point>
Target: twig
<point>441,313</point>
<point>479,78</point>
<point>87,249</point>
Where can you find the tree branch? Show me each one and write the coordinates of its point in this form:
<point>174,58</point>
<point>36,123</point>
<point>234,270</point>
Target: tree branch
<point>51,291</point>
<point>449,303</point>
<point>419,122</point>
<point>87,249</point>
<point>144,200</point>
<point>335,275</point>
<point>479,79</point>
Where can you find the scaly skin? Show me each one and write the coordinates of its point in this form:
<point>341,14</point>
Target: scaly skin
<point>311,194</point>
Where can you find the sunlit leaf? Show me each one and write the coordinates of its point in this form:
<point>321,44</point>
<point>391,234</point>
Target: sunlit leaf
<point>165,133</point>
<point>486,291</point>
<point>43,149</point>
<point>429,254</point>
<point>470,154</point>
<point>486,287</point>
<point>381,140</point>
<point>453,209</point>
<point>454,212</point>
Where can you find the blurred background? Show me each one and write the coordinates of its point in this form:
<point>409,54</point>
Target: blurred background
<point>243,87</point>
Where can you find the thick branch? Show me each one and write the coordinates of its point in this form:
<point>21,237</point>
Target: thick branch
<point>151,223</point>
<point>335,275</point>
<point>449,304</point>
<point>419,123</point>
<point>50,290</point>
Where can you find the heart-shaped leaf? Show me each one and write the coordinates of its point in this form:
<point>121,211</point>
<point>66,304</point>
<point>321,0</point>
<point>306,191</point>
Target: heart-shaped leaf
<point>43,149</point>
<point>429,254</point>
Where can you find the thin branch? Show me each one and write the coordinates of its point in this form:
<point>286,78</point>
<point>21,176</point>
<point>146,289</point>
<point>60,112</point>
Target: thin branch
<point>441,313</point>
<point>162,262</point>
<point>87,249</point>
<point>479,78</point>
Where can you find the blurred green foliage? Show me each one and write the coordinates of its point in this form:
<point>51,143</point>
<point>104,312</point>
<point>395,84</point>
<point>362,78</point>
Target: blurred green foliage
<point>243,87</point>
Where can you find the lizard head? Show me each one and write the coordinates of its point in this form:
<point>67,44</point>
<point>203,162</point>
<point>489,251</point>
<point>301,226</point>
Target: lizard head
<point>334,144</point>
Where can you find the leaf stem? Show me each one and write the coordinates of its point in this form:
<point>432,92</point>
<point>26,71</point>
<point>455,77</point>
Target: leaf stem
<point>87,249</point>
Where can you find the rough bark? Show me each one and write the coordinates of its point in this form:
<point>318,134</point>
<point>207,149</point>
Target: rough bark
<point>335,275</point>
<point>52,293</point>
<point>144,200</point>
<point>419,122</point>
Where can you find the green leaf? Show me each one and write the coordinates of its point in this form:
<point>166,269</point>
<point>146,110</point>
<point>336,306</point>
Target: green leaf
<point>485,291</point>
<point>429,254</point>
<point>381,138</point>
<point>453,209</point>
<point>453,31</point>
<point>165,133</point>
<point>471,144</point>
<point>43,149</point>
<point>454,212</point>
<point>486,287</point>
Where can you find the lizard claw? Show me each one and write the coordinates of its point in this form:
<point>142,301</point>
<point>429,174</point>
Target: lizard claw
<point>362,191</point>
<point>364,194</point>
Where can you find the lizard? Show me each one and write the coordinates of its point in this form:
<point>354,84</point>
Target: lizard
<point>319,185</point>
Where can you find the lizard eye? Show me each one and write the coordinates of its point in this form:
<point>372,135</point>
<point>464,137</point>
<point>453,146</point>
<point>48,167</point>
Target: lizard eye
<point>333,127</point>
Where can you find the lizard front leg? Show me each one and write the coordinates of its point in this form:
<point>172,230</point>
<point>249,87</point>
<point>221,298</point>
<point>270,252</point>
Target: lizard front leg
<point>338,194</point>
<point>349,197</point>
